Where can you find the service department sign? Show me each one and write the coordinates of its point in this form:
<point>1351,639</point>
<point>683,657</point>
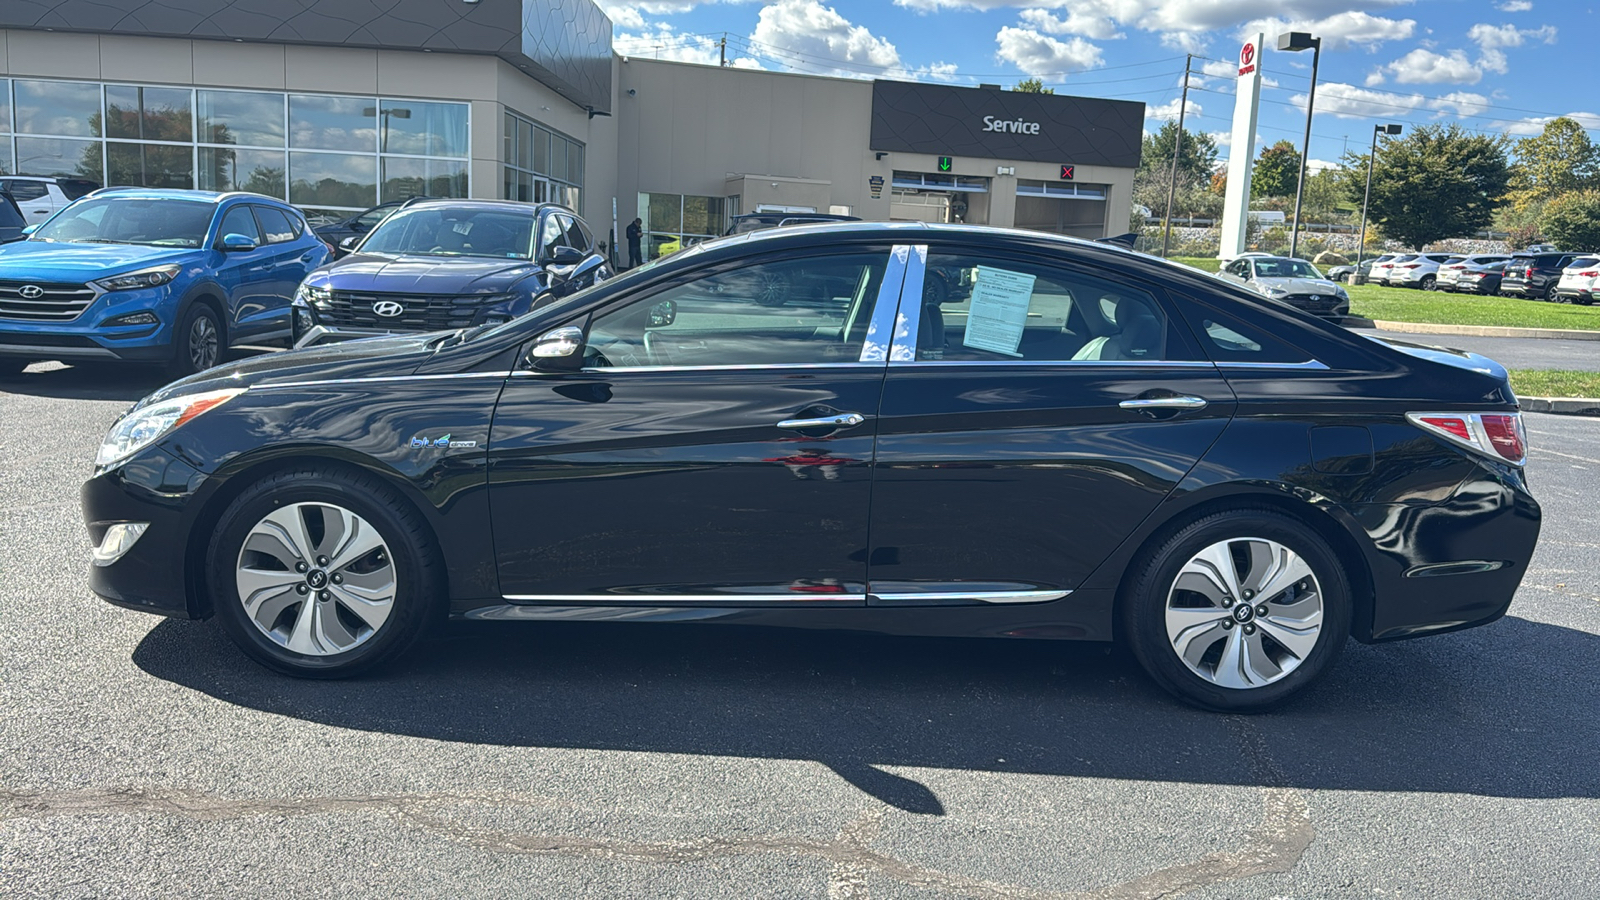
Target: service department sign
<point>995,124</point>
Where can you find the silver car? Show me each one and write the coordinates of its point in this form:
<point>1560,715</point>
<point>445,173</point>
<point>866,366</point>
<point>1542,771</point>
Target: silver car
<point>1294,281</point>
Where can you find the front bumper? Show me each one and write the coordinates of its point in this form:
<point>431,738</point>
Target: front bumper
<point>152,576</point>
<point>88,337</point>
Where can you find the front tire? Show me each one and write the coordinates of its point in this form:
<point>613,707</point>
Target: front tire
<point>320,573</point>
<point>1429,282</point>
<point>1237,611</point>
<point>198,342</point>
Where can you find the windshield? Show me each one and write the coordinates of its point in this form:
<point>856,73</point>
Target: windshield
<point>1285,268</point>
<point>158,222</point>
<point>454,231</point>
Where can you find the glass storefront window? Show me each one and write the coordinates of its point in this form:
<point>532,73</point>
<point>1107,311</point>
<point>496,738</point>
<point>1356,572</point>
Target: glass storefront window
<point>424,129</point>
<point>702,215</point>
<point>58,157</point>
<point>5,105</point>
<point>664,213</point>
<point>148,114</point>
<point>5,157</point>
<point>149,165</point>
<point>225,169</point>
<point>404,178</point>
<point>333,179</point>
<point>541,166</point>
<point>333,123</point>
<point>245,118</point>
<point>540,161</point>
<point>68,108</point>
<point>675,221</point>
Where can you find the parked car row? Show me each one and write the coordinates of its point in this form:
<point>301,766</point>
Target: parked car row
<point>178,277</point>
<point>1533,275</point>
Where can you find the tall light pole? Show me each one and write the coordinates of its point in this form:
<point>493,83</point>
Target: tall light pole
<point>1361,244</point>
<point>1177,149</point>
<point>1300,40</point>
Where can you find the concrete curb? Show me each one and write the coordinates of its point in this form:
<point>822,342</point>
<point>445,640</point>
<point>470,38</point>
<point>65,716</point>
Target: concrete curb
<point>1569,334</point>
<point>1566,406</point>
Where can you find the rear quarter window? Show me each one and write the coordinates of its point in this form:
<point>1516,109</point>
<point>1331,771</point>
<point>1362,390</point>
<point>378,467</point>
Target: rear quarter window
<point>1229,338</point>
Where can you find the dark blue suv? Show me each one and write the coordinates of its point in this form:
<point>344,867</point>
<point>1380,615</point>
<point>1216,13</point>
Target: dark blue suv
<point>162,276</point>
<point>437,265</point>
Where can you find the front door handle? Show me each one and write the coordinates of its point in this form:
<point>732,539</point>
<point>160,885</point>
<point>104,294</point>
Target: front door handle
<point>842,420</point>
<point>1182,402</point>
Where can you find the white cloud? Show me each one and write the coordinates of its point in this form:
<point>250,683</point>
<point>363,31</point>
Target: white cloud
<point>1038,54</point>
<point>1515,6</point>
<point>1187,41</point>
<point>937,72</point>
<point>1426,67</point>
<point>1168,112</point>
<point>1347,101</point>
<point>1219,69</point>
<point>1089,20</point>
<point>1461,103</point>
<point>665,43</point>
<point>1222,139</point>
<point>1535,124</point>
<point>817,36</point>
<point>1315,165</point>
<point>1490,37</point>
<point>1340,30</point>
<point>624,16</point>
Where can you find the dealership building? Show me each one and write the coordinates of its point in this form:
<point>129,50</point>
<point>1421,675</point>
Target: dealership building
<point>337,105</point>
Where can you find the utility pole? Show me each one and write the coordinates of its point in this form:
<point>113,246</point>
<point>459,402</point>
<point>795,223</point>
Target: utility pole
<point>1300,40</point>
<point>1177,149</point>
<point>1372,156</point>
<point>724,46</point>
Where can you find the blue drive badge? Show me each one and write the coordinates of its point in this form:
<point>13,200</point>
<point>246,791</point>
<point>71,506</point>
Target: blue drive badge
<point>445,442</point>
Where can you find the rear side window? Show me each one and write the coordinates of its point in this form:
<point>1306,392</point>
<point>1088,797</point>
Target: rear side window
<point>1229,339</point>
<point>275,225</point>
<point>23,191</point>
<point>9,216</point>
<point>74,188</point>
<point>1582,263</point>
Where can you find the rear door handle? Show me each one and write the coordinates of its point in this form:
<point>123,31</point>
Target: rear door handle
<point>842,420</point>
<point>1183,402</point>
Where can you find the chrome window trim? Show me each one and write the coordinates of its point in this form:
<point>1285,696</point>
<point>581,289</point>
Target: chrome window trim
<point>1308,365</point>
<point>908,324</point>
<point>751,367</point>
<point>1052,363</point>
<point>377,378</point>
<point>980,596</point>
<point>873,347</point>
<point>658,599</point>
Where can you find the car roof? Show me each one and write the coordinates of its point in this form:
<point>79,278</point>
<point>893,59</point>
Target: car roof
<point>182,194</point>
<point>530,208</point>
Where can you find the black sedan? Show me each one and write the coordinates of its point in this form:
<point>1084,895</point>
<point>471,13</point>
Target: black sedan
<point>1089,444</point>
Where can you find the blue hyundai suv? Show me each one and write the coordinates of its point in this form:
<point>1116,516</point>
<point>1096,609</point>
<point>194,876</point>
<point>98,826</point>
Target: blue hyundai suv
<point>437,265</point>
<point>164,276</point>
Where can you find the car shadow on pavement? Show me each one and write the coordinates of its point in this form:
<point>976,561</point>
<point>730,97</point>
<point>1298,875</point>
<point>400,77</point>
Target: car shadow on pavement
<point>88,381</point>
<point>1506,710</point>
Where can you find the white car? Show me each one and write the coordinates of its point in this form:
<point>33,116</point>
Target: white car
<point>1420,271</point>
<point>1450,273</point>
<point>1293,281</point>
<point>1580,281</point>
<point>40,197</point>
<point>1380,270</point>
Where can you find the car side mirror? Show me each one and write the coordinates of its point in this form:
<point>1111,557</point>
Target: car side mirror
<point>349,243</point>
<point>663,314</point>
<point>560,349</point>
<point>29,230</point>
<point>235,243</point>
<point>565,256</point>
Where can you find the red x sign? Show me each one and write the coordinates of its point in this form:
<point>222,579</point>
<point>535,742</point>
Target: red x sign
<point>1066,173</point>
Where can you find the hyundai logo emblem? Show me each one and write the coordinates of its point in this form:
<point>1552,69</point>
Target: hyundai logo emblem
<point>30,292</point>
<point>388,308</point>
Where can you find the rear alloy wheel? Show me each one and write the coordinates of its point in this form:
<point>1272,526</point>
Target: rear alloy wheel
<point>1238,611</point>
<point>1550,294</point>
<point>1429,282</point>
<point>198,341</point>
<point>321,573</point>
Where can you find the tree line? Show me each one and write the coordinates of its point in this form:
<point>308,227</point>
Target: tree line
<point>1433,183</point>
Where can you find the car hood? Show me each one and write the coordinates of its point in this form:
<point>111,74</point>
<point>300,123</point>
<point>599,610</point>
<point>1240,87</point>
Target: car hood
<point>368,358</point>
<point>61,261</point>
<point>1297,285</point>
<point>384,274</point>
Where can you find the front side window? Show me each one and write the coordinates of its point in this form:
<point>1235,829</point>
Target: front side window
<point>239,221</point>
<point>445,231</point>
<point>777,312</point>
<point>131,220</point>
<point>982,309</point>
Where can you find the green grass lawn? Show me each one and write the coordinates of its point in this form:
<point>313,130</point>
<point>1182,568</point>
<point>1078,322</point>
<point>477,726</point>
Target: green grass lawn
<point>1411,305</point>
<point>1552,383</point>
<point>1203,263</point>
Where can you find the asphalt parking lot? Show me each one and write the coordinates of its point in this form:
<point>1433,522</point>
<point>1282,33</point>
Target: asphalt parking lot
<point>147,758</point>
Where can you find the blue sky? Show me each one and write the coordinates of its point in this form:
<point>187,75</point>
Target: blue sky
<point>1498,66</point>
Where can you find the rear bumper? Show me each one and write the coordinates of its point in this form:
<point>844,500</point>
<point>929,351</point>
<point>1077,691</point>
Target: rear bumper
<point>1579,295</point>
<point>1447,566</point>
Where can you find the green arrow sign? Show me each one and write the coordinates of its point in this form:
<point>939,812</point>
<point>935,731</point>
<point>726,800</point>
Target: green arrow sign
<point>945,163</point>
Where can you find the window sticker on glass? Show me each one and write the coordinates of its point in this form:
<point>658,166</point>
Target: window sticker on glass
<point>999,311</point>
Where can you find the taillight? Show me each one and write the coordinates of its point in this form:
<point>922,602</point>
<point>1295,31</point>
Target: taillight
<point>1594,274</point>
<point>1528,273</point>
<point>1412,266</point>
<point>1499,435</point>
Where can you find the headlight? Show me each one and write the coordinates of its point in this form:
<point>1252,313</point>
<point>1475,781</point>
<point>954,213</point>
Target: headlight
<point>1341,293</point>
<point>140,427</point>
<point>144,278</point>
<point>1277,292</point>
<point>312,294</point>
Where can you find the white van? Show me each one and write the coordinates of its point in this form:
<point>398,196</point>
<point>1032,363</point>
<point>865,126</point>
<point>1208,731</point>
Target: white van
<point>1268,217</point>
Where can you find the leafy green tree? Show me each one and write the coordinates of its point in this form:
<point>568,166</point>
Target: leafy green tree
<point>1572,221</point>
<point>1032,86</point>
<point>1196,162</point>
<point>1559,160</point>
<point>1324,195</point>
<point>1438,182</point>
<point>1277,171</point>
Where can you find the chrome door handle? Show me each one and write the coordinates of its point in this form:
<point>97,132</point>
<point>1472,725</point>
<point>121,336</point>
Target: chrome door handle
<point>1165,403</point>
<point>843,420</point>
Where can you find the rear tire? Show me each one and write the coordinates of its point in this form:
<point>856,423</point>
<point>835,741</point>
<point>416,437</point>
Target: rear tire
<point>1550,293</point>
<point>317,572</point>
<point>1429,282</point>
<point>1193,620</point>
